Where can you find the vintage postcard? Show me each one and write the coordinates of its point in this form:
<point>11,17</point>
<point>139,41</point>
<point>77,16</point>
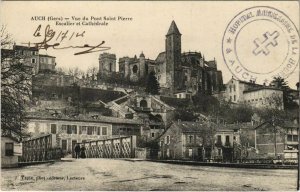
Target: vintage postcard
<point>149,95</point>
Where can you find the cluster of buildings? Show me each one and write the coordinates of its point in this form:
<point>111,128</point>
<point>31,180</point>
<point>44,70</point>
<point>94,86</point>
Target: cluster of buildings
<point>30,56</point>
<point>244,142</point>
<point>252,94</point>
<point>77,114</point>
<point>176,72</point>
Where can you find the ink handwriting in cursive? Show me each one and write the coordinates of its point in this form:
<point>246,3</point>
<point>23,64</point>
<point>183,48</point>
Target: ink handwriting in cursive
<point>49,35</point>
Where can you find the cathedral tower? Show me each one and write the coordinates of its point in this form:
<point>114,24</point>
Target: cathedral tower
<point>107,64</point>
<point>173,56</point>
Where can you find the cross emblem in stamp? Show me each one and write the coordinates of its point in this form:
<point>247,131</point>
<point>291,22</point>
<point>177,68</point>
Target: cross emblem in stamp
<point>260,43</point>
<point>262,46</point>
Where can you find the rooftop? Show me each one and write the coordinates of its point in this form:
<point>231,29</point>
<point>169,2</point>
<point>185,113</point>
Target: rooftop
<point>41,55</point>
<point>173,29</point>
<point>18,47</point>
<point>46,115</point>
<point>261,88</point>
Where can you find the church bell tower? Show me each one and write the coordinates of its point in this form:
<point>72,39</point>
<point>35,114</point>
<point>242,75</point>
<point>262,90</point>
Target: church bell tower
<point>173,56</point>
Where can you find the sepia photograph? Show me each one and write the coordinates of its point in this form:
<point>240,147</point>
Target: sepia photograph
<point>149,95</point>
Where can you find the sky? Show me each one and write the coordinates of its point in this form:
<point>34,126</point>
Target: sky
<point>202,25</point>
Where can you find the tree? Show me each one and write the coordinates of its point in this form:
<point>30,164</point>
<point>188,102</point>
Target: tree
<point>92,72</point>
<point>152,86</point>
<point>75,72</point>
<point>280,83</point>
<point>15,89</point>
<point>185,115</point>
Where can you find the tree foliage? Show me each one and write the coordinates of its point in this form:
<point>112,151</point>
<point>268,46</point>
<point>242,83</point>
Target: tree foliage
<point>152,85</point>
<point>281,83</point>
<point>15,89</point>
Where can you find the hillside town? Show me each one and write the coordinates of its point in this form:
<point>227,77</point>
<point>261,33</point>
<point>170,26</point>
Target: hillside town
<point>176,107</point>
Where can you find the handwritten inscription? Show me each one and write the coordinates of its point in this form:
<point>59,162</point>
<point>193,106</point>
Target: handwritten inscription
<point>53,39</point>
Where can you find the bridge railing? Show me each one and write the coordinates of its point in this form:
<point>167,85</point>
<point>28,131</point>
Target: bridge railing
<point>121,147</point>
<point>41,148</point>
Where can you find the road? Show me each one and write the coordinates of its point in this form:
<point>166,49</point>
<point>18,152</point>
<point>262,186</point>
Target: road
<point>108,174</point>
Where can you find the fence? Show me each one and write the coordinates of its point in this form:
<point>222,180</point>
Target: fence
<point>41,148</point>
<point>121,147</point>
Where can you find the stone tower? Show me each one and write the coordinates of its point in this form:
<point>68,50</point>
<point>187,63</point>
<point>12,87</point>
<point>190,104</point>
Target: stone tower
<point>107,64</point>
<point>173,56</point>
<point>142,65</point>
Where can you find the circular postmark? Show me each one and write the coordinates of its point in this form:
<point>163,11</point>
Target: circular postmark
<point>261,43</point>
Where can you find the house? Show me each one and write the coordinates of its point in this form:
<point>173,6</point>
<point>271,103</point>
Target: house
<point>252,94</point>
<point>202,141</point>
<point>47,62</point>
<point>183,94</point>
<point>11,150</point>
<point>277,141</point>
<point>72,129</point>
<point>30,56</point>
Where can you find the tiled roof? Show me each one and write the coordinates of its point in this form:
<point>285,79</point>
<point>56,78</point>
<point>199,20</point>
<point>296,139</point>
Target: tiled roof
<point>190,126</point>
<point>161,57</point>
<point>7,52</point>
<point>236,126</point>
<point>286,124</point>
<point>18,47</point>
<point>260,88</point>
<point>45,115</point>
<point>41,55</point>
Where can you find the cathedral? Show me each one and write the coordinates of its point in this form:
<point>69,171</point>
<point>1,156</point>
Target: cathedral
<point>176,72</point>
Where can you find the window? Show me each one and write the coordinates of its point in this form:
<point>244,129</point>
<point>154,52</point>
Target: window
<point>9,149</point>
<point>227,140</point>
<point>234,97</point>
<point>234,138</point>
<point>64,144</point>
<point>134,69</point>
<point>219,141</point>
<point>33,61</point>
<point>152,135</point>
<point>295,138</point>
<point>42,60</point>
<point>230,98</point>
<point>167,139</point>
<point>90,130</point>
<point>104,130</point>
<point>233,87</point>
<point>190,138</point>
<point>230,88</point>
<point>69,129</point>
<point>110,67</point>
<point>53,128</point>
<point>74,129</point>
<point>289,138</point>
